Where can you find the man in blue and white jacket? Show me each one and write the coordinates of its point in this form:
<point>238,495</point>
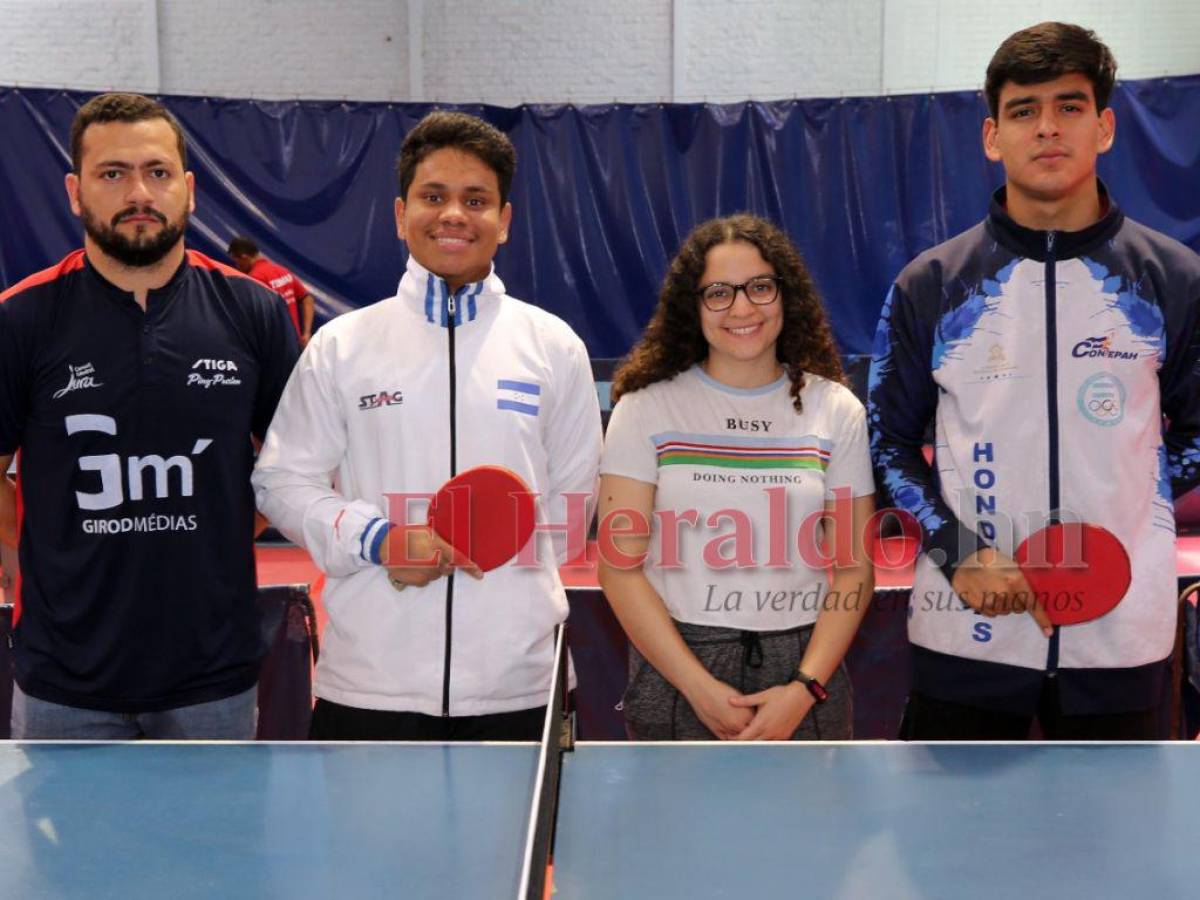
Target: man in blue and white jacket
<point>397,398</point>
<point>1054,346</point>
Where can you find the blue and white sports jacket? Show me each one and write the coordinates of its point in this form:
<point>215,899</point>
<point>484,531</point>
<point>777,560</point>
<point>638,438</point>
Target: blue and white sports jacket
<point>1060,369</point>
<point>396,398</point>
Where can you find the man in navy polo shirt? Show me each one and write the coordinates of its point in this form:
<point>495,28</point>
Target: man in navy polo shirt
<point>132,376</point>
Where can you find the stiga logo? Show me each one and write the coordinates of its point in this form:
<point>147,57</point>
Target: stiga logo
<point>1101,348</point>
<point>209,372</point>
<point>383,398</point>
<point>215,365</point>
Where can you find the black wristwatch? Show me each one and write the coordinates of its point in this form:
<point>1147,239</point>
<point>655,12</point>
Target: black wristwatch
<point>814,687</point>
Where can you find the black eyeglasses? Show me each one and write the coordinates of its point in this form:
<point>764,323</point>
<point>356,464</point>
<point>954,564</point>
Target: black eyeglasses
<point>759,290</point>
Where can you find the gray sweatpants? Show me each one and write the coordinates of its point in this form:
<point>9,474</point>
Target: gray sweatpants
<point>750,661</point>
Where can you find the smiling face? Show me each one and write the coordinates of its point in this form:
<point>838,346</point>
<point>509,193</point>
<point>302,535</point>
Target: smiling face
<point>452,218</point>
<point>1048,137</point>
<point>131,192</point>
<point>741,339</point>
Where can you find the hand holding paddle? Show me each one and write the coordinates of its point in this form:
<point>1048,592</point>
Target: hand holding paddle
<point>478,521</point>
<point>1064,574</point>
<point>994,585</point>
<point>485,513</point>
<point>431,558</point>
<point>1078,571</point>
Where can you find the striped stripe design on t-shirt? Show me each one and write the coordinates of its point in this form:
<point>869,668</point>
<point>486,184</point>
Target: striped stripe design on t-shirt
<point>675,448</point>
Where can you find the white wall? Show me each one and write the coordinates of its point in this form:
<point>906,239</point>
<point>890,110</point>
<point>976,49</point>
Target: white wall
<point>284,48</point>
<point>508,52</point>
<point>946,45</point>
<point>734,49</point>
<point>77,43</point>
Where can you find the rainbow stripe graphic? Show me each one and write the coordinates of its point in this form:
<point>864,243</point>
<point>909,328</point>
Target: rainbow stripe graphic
<point>675,448</point>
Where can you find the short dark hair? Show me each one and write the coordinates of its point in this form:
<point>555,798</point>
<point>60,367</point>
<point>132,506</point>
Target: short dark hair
<point>242,246</point>
<point>1048,51</point>
<point>119,107</point>
<point>459,131</point>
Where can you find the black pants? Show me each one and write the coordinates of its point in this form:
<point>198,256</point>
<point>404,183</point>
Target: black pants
<point>334,722</point>
<point>929,719</point>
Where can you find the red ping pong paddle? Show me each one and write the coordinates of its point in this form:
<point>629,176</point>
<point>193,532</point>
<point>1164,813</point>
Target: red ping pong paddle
<point>486,513</point>
<point>1078,571</point>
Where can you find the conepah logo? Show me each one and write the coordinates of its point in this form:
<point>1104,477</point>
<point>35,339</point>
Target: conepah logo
<point>1101,347</point>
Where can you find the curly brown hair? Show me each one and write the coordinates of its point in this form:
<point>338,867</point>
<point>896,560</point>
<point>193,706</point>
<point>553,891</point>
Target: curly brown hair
<point>674,342</point>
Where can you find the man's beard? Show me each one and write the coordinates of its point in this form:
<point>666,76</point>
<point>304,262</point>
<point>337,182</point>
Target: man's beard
<point>137,252</point>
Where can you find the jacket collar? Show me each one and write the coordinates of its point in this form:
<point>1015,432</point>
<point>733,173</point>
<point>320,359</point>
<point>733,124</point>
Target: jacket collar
<point>1067,244</point>
<point>429,294</point>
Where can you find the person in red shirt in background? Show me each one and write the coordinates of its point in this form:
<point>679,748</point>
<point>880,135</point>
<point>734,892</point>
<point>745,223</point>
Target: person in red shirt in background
<point>246,257</point>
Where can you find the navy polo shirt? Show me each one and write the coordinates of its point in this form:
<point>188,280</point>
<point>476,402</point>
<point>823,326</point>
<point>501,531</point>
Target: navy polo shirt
<point>136,511</point>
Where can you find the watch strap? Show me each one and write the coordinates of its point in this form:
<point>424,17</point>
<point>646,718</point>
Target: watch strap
<point>814,687</point>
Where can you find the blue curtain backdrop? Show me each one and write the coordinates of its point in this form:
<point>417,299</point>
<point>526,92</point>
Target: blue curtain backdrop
<point>603,194</point>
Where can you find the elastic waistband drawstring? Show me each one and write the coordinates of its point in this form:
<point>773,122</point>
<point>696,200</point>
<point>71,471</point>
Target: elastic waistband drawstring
<point>752,648</point>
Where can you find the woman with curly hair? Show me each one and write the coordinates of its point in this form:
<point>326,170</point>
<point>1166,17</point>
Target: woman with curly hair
<point>732,437</point>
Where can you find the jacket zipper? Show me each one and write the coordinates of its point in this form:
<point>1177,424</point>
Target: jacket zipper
<point>1052,414</point>
<point>451,312</point>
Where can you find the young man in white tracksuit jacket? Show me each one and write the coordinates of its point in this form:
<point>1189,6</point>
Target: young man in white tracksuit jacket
<point>398,397</point>
<point>1054,346</point>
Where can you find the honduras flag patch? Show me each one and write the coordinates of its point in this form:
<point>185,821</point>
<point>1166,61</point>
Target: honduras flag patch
<point>518,396</point>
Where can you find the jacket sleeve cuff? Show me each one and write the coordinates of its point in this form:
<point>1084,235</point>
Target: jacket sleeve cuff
<point>950,549</point>
<point>372,539</point>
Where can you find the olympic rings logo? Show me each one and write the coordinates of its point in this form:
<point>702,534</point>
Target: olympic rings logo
<point>1101,399</point>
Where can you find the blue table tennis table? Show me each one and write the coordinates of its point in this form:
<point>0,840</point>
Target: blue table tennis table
<point>849,820</point>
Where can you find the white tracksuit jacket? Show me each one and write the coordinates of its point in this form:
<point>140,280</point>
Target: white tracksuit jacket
<point>396,398</point>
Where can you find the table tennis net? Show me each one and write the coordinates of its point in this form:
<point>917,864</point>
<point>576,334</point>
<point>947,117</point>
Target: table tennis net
<point>557,737</point>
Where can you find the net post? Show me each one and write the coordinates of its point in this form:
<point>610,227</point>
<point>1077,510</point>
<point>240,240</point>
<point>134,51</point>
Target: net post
<point>558,735</point>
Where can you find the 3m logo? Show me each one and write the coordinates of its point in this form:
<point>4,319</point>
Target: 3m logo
<point>383,398</point>
<point>116,473</point>
<point>215,365</point>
